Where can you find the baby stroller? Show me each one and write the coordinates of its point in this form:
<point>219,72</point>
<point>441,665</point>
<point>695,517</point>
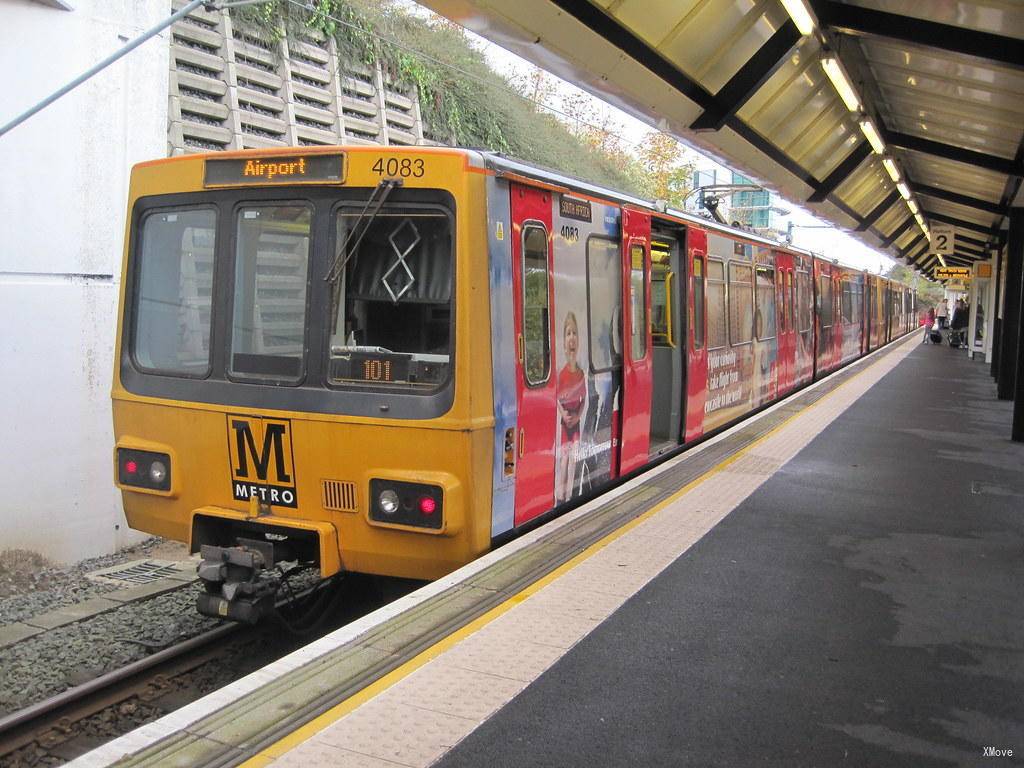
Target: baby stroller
<point>956,338</point>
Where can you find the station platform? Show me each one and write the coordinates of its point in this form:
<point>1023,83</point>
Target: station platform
<point>835,582</point>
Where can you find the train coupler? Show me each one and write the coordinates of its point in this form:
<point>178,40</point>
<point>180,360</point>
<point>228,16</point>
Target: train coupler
<point>238,583</point>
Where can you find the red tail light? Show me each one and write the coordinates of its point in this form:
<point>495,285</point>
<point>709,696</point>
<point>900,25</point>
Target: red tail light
<point>144,469</point>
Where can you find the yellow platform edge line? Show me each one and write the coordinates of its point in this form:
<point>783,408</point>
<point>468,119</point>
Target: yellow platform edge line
<point>280,748</point>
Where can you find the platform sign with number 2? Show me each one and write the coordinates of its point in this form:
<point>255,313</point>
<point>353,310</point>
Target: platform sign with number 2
<point>942,239</point>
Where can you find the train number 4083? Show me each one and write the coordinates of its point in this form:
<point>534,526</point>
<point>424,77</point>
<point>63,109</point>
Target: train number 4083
<point>399,166</point>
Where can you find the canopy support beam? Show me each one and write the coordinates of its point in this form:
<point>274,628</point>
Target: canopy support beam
<point>858,20</point>
<point>838,176</point>
<point>878,210</point>
<point>950,152</point>
<point>749,79</point>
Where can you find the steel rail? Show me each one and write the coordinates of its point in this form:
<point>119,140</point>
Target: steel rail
<point>24,719</point>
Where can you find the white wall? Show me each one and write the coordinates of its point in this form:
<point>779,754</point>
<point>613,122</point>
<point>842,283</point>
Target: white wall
<point>63,191</point>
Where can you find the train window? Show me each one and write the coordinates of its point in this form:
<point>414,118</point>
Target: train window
<point>638,302</point>
<point>661,296</point>
<point>847,302</point>
<point>741,304</point>
<point>269,315</point>
<point>391,304</point>
<point>698,303</point>
<point>764,312</point>
<point>780,299</point>
<point>716,305</point>
<point>536,310</point>
<point>173,292</point>
<point>803,301</point>
<point>825,301</point>
<point>604,303</point>
<point>791,302</point>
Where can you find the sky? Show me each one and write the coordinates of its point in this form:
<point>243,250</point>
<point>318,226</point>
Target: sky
<point>809,232</point>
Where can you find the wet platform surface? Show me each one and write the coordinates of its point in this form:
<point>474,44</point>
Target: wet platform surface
<point>863,607</point>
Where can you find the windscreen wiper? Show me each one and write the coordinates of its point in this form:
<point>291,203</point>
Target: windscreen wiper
<point>360,228</point>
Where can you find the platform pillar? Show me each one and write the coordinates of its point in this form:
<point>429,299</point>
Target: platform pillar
<point>997,321</point>
<point>1011,307</point>
<point>1015,275</point>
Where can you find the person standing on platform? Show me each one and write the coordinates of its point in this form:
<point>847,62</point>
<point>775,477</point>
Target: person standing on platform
<point>958,325</point>
<point>942,313</point>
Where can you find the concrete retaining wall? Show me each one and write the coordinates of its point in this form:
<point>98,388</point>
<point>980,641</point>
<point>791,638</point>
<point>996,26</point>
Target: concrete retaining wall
<point>62,206</point>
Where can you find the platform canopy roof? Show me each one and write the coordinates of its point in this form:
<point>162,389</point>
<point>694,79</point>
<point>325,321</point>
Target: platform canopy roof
<point>941,81</point>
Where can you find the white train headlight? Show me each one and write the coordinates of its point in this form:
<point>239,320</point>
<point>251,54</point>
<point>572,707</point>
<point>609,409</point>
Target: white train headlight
<point>388,502</point>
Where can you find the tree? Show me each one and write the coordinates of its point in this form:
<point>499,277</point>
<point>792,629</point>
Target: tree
<point>667,176</point>
<point>928,293</point>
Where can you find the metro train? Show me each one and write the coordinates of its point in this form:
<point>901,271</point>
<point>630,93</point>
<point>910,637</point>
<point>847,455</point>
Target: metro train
<point>387,360</point>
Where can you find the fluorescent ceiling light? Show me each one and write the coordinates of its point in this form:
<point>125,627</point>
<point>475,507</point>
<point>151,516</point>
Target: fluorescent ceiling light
<point>904,190</point>
<point>800,15</point>
<point>942,261</point>
<point>842,83</point>
<point>890,166</point>
<point>912,206</point>
<point>871,133</point>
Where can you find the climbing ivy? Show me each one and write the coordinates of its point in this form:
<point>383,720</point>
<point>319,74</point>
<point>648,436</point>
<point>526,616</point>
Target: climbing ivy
<point>463,101</point>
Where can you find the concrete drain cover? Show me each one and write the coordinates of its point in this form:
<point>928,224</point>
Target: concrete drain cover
<point>136,572</point>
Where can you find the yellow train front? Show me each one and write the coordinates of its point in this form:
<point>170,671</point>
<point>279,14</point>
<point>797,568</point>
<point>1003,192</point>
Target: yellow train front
<point>303,364</point>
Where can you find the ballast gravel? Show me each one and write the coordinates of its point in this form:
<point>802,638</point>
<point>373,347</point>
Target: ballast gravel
<point>44,665</point>
<point>30,585</point>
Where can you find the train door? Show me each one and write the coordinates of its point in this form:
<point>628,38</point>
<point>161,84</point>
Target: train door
<point>870,317</point>
<point>838,325</point>
<point>588,344</point>
<point>877,314</point>
<point>865,315</point>
<point>635,412</point>
<point>822,317</point>
<point>887,316</point>
<point>666,345</point>
<point>535,378</point>
<point>695,373</point>
<point>784,321</point>
<point>803,336</point>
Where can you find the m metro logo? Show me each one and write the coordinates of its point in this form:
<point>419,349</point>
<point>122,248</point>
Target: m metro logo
<point>262,465</point>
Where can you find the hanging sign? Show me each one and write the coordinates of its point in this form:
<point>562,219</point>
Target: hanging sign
<point>952,273</point>
<point>942,239</point>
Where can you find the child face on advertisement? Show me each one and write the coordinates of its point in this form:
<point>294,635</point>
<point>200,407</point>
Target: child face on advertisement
<point>572,340</point>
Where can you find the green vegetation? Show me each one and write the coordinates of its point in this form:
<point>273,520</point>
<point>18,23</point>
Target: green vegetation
<point>465,103</point>
<point>929,293</point>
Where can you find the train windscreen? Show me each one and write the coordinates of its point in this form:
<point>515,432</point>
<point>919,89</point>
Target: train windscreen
<point>172,293</point>
<point>391,303</point>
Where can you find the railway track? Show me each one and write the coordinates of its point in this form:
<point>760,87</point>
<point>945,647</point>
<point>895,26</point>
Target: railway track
<point>48,728</point>
<point>81,718</point>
